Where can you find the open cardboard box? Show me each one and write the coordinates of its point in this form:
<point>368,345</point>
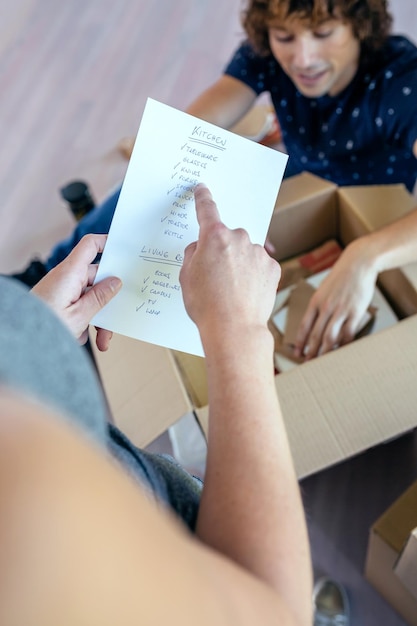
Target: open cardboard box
<point>335,406</point>
<point>391,561</point>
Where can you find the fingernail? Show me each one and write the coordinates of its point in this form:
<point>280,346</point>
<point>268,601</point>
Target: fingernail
<point>115,284</point>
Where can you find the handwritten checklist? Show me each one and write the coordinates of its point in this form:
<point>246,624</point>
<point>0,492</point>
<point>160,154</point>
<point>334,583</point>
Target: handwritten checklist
<point>155,218</point>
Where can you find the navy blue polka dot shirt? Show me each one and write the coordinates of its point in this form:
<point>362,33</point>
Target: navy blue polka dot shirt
<point>362,136</point>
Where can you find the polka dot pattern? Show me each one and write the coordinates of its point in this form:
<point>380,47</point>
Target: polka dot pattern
<point>364,135</point>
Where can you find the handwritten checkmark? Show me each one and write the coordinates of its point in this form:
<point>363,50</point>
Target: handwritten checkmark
<point>170,191</point>
<point>145,280</point>
<point>184,146</point>
<point>179,163</point>
<point>139,307</point>
<point>164,218</point>
<point>174,174</point>
<point>144,289</point>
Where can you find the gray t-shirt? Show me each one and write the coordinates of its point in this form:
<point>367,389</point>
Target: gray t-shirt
<point>39,357</point>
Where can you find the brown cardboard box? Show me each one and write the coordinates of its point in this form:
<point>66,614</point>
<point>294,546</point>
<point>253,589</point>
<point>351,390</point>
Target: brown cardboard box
<point>388,537</point>
<point>335,406</point>
<point>144,390</point>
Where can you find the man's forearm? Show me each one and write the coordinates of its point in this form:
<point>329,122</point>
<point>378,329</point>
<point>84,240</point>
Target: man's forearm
<point>224,103</point>
<point>251,508</point>
<point>392,245</point>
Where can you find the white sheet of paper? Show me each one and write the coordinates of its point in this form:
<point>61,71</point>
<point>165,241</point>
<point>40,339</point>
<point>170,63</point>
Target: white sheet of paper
<point>155,218</point>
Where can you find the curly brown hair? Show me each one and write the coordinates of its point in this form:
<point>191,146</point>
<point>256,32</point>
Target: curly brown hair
<point>370,19</point>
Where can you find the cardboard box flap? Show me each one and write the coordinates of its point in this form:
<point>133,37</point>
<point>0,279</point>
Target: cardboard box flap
<point>399,290</point>
<point>349,400</point>
<point>378,205</point>
<point>406,566</point>
<point>386,538</point>
<point>342,403</point>
<point>143,388</point>
<point>304,186</point>
<point>410,272</point>
<point>399,520</point>
<point>193,372</point>
<point>305,215</point>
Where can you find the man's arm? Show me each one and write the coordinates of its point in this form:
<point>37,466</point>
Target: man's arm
<point>337,307</point>
<point>251,509</point>
<point>224,103</point>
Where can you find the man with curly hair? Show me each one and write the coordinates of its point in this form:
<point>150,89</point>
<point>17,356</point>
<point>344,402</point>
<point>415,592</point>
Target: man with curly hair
<point>340,85</point>
<point>343,90</point>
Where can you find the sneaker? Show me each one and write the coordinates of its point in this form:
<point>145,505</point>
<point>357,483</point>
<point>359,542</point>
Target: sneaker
<point>32,274</point>
<point>330,604</point>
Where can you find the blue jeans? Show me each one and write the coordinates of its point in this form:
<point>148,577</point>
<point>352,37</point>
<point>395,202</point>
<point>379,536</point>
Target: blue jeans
<point>98,221</point>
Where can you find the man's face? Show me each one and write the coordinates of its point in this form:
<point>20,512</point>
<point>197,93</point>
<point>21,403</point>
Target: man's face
<point>320,60</point>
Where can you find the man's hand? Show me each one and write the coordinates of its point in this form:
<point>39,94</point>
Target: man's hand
<point>68,290</point>
<point>227,282</point>
<point>336,309</point>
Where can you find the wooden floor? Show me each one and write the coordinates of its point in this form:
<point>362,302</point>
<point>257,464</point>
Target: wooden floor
<point>74,78</point>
